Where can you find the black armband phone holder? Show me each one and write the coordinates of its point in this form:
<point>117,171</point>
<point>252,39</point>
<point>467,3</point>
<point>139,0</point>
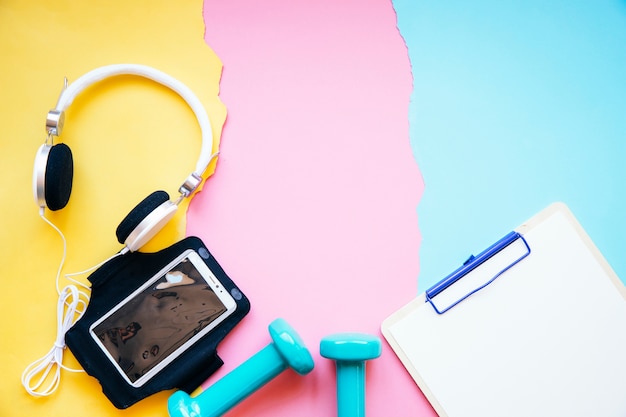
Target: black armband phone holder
<point>151,322</point>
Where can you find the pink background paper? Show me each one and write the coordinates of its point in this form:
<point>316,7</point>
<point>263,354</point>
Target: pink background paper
<point>312,209</point>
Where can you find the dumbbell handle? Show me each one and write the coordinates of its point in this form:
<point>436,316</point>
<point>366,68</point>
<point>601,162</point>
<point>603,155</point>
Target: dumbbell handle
<point>350,389</point>
<point>350,351</point>
<point>287,350</point>
<point>233,388</point>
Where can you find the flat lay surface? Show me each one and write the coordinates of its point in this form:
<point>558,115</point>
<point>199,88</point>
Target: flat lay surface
<point>366,149</point>
<point>129,137</point>
<point>516,105</point>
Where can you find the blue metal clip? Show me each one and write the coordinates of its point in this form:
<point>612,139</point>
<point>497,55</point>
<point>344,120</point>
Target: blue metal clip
<point>472,263</point>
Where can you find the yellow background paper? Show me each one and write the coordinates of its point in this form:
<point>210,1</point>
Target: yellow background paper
<point>129,137</point>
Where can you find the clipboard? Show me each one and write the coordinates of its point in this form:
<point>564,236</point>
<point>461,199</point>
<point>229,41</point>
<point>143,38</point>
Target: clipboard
<point>535,325</point>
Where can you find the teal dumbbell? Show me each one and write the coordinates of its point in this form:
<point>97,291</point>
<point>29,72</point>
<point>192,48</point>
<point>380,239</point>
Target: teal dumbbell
<point>287,350</point>
<point>350,351</point>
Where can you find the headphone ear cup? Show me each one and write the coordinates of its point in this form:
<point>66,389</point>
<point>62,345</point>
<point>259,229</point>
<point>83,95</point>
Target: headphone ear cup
<point>59,173</point>
<point>145,220</point>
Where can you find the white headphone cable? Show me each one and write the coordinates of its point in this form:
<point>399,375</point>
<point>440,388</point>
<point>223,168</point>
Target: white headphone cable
<point>53,360</point>
<point>71,306</point>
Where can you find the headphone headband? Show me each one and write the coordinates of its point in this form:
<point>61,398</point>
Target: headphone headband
<point>56,116</point>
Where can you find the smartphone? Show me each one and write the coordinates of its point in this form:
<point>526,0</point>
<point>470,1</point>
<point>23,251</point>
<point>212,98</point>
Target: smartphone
<point>161,319</point>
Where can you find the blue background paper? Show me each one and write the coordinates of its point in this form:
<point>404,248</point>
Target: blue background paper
<point>516,105</point>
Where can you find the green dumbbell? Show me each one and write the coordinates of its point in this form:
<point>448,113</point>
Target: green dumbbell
<point>350,351</point>
<point>286,351</point>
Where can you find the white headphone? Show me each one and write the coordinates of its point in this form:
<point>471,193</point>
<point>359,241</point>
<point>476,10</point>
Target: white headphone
<point>53,170</point>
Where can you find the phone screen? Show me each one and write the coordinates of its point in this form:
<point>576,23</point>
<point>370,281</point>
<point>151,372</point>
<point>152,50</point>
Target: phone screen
<point>152,326</point>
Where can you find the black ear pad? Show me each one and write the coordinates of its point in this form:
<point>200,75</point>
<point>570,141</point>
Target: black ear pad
<point>136,215</point>
<point>58,177</point>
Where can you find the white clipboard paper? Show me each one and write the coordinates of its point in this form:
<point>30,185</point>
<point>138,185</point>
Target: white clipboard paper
<point>546,338</point>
